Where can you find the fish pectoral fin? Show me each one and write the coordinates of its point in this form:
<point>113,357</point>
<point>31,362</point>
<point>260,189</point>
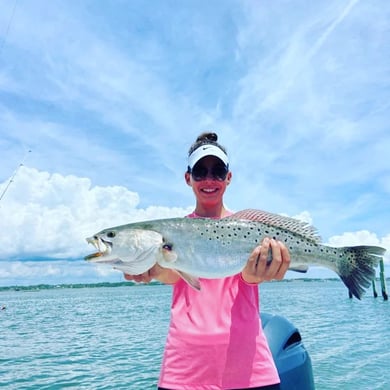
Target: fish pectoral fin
<point>136,264</point>
<point>299,268</point>
<point>193,281</point>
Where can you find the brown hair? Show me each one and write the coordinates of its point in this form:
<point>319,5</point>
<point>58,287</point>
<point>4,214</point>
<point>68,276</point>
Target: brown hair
<point>206,139</point>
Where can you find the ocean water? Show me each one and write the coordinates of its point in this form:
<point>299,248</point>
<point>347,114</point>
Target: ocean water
<point>112,338</point>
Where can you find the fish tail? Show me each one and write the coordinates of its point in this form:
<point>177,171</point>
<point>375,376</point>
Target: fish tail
<point>357,268</point>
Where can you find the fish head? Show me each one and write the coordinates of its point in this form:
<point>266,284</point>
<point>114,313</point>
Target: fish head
<point>131,250</point>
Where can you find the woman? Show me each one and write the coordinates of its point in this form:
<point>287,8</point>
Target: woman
<point>215,339</point>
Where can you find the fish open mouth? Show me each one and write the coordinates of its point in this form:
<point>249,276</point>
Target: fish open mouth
<point>103,247</point>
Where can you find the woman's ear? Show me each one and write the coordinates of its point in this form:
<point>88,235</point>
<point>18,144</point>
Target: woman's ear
<point>228,178</point>
<point>187,177</point>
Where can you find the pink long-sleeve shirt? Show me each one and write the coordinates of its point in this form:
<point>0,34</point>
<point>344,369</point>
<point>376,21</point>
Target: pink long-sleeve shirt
<point>215,339</point>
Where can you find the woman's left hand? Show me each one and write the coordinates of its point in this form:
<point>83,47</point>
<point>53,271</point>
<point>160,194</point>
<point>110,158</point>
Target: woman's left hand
<point>258,268</point>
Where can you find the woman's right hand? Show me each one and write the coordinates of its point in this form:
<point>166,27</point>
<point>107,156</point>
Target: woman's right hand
<point>258,269</point>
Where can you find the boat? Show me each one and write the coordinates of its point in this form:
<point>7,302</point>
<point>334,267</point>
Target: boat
<point>290,355</point>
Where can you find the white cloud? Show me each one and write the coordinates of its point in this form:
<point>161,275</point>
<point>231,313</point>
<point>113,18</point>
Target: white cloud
<point>362,237</point>
<point>49,215</point>
<point>304,216</point>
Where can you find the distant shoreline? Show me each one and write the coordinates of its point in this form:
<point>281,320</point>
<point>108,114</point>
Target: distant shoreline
<point>73,285</point>
<point>38,287</point>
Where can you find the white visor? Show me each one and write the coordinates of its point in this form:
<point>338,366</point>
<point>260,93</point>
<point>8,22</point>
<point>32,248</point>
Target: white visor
<point>207,150</point>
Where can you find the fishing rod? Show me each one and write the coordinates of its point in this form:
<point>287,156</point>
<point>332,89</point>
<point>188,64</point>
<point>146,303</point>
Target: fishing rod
<point>8,27</point>
<point>13,176</point>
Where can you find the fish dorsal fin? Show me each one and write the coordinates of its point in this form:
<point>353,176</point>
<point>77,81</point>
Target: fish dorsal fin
<point>293,225</point>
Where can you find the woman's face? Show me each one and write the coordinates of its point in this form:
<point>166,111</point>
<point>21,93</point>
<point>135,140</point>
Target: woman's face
<point>208,189</point>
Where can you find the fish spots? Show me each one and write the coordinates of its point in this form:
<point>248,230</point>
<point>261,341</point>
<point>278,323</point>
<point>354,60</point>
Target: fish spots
<point>227,233</point>
<point>234,230</point>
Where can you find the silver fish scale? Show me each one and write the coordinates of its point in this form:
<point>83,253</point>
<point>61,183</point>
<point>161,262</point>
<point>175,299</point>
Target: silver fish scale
<point>207,247</point>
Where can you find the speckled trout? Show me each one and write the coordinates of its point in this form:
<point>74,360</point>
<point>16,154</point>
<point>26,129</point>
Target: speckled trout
<point>210,248</point>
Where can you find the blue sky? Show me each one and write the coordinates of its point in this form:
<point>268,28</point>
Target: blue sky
<point>109,95</point>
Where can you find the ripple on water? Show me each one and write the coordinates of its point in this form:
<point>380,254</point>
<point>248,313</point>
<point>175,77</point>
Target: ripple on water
<point>112,338</point>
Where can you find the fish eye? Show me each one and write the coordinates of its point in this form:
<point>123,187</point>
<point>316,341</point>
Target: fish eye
<point>111,234</point>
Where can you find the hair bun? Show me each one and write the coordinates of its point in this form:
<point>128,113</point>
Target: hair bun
<point>207,137</point>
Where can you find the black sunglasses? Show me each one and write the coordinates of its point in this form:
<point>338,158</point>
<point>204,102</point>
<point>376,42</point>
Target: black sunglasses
<point>217,172</point>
